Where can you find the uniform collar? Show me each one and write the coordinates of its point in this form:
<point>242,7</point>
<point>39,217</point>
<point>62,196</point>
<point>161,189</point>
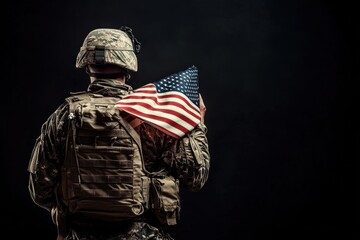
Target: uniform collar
<point>109,87</point>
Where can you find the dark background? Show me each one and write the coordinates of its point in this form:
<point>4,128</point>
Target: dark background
<point>275,77</point>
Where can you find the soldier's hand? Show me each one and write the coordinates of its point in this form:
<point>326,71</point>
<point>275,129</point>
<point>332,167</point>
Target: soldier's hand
<point>202,108</point>
<point>54,215</point>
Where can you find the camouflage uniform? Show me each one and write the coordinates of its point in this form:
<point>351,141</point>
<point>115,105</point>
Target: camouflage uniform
<point>160,151</point>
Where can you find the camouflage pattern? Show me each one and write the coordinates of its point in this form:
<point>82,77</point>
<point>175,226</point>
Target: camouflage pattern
<point>186,158</point>
<point>136,231</point>
<point>119,49</point>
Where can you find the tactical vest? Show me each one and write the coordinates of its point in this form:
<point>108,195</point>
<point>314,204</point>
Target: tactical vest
<point>103,175</point>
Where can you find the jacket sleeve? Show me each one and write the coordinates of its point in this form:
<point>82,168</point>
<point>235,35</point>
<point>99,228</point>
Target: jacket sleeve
<point>186,158</point>
<point>190,158</point>
<point>46,159</point>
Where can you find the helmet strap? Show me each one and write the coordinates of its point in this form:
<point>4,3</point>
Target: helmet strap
<point>99,55</point>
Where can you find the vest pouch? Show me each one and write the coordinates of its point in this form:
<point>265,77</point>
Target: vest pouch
<point>165,199</point>
<point>145,180</point>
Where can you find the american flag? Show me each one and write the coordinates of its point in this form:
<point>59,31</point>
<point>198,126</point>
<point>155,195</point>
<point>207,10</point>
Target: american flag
<point>170,104</point>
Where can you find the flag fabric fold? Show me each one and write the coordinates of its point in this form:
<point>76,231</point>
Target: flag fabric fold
<point>171,104</point>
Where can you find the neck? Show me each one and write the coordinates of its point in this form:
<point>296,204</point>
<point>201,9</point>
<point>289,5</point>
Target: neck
<point>120,80</point>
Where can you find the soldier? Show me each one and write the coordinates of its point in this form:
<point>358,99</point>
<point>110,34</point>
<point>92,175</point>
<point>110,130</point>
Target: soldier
<point>109,57</point>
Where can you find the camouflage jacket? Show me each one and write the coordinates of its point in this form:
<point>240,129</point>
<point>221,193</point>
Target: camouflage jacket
<point>178,156</point>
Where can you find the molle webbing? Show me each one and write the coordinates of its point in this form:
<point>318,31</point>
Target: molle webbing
<point>103,168</point>
<point>93,163</point>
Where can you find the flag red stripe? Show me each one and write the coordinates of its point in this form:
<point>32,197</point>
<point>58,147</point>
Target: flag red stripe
<point>155,99</point>
<point>152,116</point>
<point>169,103</point>
<point>189,103</point>
<point>172,112</point>
<point>163,95</point>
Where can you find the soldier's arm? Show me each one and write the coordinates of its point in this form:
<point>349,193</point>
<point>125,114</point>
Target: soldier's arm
<point>186,158</point>
<point>190,156</point>
<point>190,159</point>
<point>44,165</point>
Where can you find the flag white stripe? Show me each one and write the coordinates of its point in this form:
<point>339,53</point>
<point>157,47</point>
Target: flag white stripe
<point>163,115</point>
<point>163,100</point>
<point>170,111</point>
<point>158,107</point>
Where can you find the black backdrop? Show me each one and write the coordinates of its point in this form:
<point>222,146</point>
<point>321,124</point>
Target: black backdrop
<point>274,76</point>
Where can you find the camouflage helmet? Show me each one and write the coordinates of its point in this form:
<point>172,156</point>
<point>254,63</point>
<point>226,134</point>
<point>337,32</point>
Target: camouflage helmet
<point>109,46</point>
